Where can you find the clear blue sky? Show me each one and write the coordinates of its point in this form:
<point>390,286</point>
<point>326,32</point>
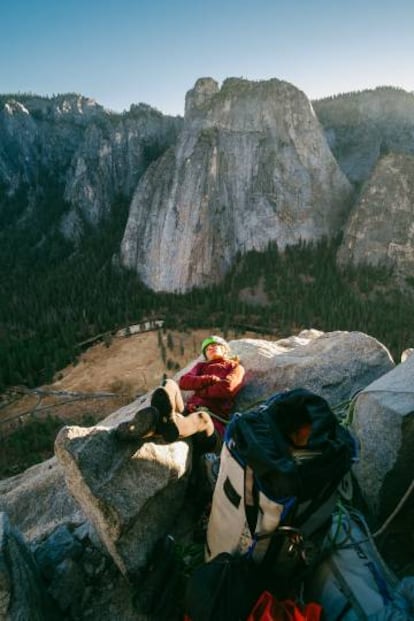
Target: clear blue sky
<point>121,52</point>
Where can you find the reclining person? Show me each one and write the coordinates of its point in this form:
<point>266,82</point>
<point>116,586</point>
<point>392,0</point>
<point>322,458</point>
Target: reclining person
<point>215,382</point>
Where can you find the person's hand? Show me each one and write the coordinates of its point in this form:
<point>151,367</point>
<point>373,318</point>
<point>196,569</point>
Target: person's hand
<point>214,379</point>
<point>209,380</point>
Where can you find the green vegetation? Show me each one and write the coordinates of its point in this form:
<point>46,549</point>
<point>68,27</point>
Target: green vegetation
<point>305,289</point>
<point>349,109</point>
<point>380,90</point>
<point>54,296</point>
<point>31,444</point>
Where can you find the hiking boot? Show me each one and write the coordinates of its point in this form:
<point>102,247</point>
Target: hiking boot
<point>163,400</point>
<point>143,424</point>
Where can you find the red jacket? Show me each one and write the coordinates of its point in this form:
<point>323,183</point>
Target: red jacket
<point>216,383</point>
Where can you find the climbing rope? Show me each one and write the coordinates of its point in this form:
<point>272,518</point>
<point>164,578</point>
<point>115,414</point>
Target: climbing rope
<point>396,511</point>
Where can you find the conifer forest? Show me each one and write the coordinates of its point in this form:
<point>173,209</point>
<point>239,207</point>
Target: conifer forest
<point>56,295</point>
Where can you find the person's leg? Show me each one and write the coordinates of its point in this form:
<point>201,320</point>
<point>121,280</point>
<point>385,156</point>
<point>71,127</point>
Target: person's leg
<point>167,399</point>
<point>173,426</point>
<point>197,422</point>
<point>164,417</point>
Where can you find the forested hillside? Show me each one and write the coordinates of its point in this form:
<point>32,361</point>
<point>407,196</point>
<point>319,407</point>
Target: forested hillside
<point>55,296</point>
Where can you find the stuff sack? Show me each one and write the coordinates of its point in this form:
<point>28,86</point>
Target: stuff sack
<point>353,583</point>
<point>264,482</point>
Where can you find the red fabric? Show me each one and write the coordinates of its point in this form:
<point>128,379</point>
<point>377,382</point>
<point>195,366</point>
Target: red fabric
<point>267,608</point>
<point>216,383</point>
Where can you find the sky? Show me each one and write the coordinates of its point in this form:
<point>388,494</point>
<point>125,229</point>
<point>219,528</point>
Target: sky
<point>123,52</point>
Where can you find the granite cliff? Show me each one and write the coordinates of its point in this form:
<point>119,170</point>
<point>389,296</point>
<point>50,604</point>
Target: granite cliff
<point>380,229</point>
<point>251,166</point>
<point>89,154</point>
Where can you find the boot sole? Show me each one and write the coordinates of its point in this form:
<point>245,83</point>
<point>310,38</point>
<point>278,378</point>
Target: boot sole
<point>143,424</point>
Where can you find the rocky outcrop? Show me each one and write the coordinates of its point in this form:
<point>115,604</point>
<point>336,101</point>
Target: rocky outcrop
<point>90,155</point>
<point>380,228</point>
<point>125,491</point>
<point>130,494</point>
<point>362,127</point>
<point>383,420</point>
<point>251,166</point>
<point>78,576</point>
<point>334,364</point>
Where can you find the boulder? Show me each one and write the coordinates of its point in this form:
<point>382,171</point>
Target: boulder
<point>22,591</point>
<point>82,580</point>
<point>130,493</point>
<point>335,365</point>
<point>37,500</point>
<point>383,420</point>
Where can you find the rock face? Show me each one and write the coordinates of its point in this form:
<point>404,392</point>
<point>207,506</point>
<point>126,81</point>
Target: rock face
<point>113,156</point>
<point>40,134</point>
<point>362,127</point>
<point>384,423</point>
<point>251,166</point>
<point>130,494</point>
<point>89,154</point>
<point>38,500</point>
<point>380,229</point>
